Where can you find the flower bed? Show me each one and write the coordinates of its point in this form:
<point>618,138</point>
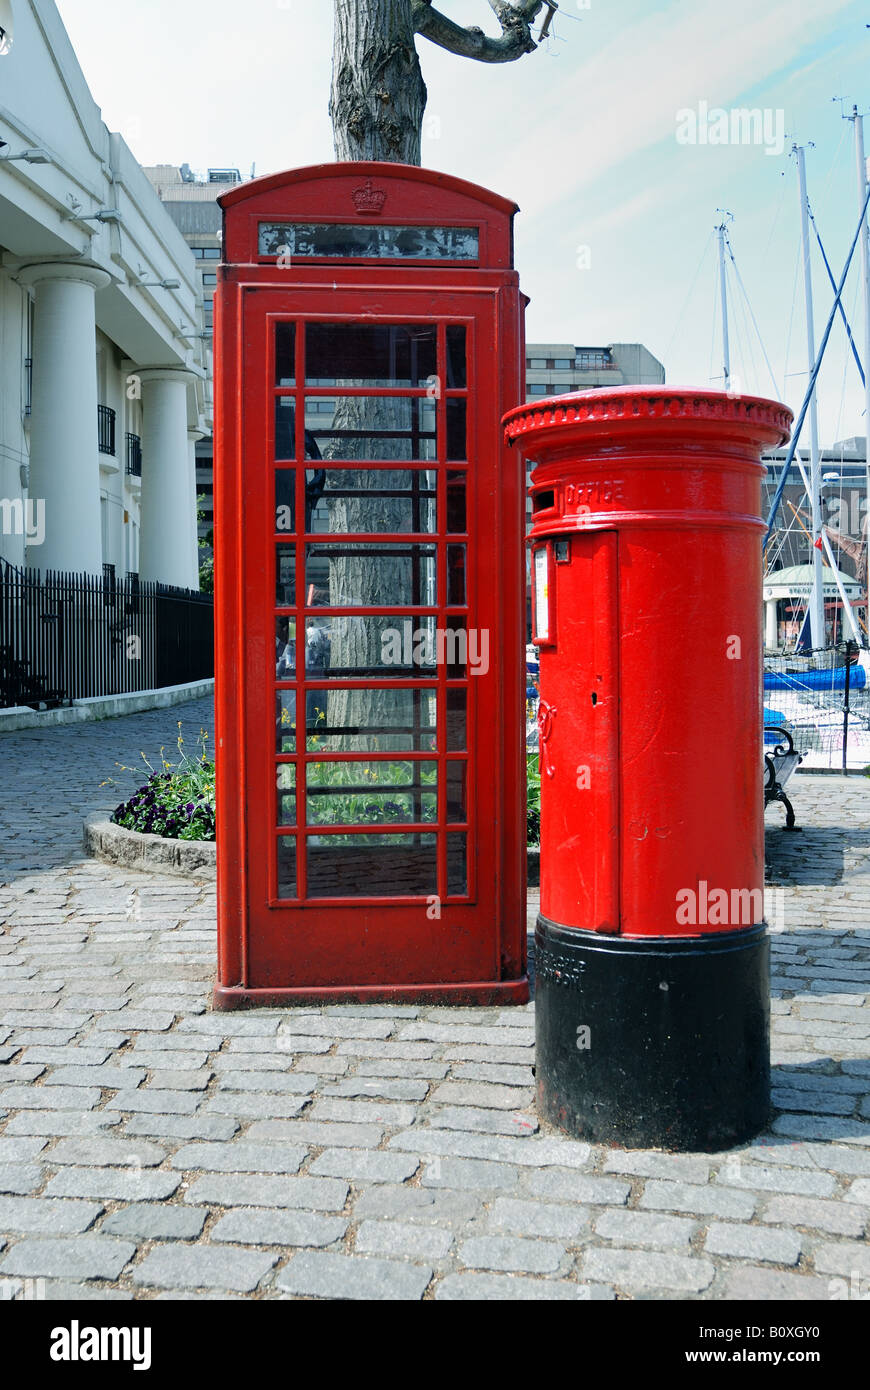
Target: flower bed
<point>177,802</point>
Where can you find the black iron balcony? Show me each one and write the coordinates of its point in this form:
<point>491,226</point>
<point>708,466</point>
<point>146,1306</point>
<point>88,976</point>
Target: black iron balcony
<point>106,429</point>
<point>134,456</point>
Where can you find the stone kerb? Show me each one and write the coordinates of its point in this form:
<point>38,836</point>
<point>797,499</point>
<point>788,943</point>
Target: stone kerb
<point>133,849</point>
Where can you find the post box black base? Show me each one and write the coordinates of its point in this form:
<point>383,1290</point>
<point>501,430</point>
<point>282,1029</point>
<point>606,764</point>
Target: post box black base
<point>677,1053</point>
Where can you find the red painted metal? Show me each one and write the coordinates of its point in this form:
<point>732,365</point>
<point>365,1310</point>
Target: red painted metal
<point>452,935</point>
<point>647,503</point>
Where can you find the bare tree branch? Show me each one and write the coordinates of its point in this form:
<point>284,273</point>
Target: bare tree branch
<point>525,9</point>
<point>516,37</point>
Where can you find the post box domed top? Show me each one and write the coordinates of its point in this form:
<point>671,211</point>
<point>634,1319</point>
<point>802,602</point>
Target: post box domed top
<point>459,223</point>
<point>658,456</point>
<point>630,415</point>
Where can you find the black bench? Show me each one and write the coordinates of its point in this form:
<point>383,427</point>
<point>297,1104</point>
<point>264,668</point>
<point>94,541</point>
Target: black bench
<point>779,764</point>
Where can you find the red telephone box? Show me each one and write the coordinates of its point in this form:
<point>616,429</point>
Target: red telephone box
<point>369,591</point>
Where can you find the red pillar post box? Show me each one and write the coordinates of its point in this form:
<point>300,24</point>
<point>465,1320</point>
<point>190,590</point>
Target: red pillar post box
<point>651,949</point>
<point>369,597</point>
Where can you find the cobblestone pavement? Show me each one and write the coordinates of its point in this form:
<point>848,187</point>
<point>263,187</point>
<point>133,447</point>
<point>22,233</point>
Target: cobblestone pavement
<point>150,1148</point>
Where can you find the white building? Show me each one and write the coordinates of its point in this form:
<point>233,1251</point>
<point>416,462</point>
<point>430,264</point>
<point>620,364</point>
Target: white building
<point>191,200</point>
<point>103,366</point>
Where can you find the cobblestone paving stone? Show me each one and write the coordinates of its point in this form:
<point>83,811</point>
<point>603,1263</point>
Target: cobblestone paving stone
<point>150,1148</point>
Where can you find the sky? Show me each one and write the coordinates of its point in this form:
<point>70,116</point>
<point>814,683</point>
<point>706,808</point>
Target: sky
<point>619,192</point>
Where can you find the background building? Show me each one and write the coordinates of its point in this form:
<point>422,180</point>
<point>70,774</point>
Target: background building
<point>555,368</point>
<point>844,504</point>
<point>789,554</point>
<point>103,374</point>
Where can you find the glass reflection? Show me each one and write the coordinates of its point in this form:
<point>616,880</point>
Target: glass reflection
<point>371,242</point>
<point>351,648</point>
<point>370,428</point>
<point>371,720</point>
<point>285,499</point>
<point>286,866</point>
<point>285,354</point>
<point>285,649</point>
<point>373,500</point>
<point>457,865</point>
<point>286,784</point>
<point>372,866</point>
<point>285,431</point>
<point>285,721</point>
<point>371,793</point>
<point>367,575</point>
<point>353,354</point>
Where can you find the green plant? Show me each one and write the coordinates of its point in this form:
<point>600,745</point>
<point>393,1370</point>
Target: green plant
<point>533,799</point>
<point>206,550</point>
<point>177,802</point>
<point>382,793</point>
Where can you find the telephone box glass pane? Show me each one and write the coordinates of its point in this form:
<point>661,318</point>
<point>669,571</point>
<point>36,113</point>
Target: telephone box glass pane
<point>286,781</point>
<point>285,354</point>
<point>286,866</point>
<point>285,575</point>
<point>369,575</point>
<point>352,354</point>
<point>457,443</point>
<point>371,427</point>
<point>457,720</point>
<point>285,431</point>
<point>462,647</point>
<point>457,518</point>
<point>457,792</point>
<point>285,721</point>
<point>285,649</point>
<point>372,793</point>
<point>457,865</point>
<point>390,648</point>
<point>457,376</point>
<point>372,866</point>
<point>285,499</point>
<point>371,721</point>
<point>371,500</point>
<point>373,242</point>
<point>456,575</point>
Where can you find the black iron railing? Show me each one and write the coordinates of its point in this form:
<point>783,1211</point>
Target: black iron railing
<point>106,428</point>
<point>134,456</point>
<point>67,637</point>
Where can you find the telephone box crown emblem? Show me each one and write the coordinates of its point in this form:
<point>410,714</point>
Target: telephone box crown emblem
<point>368,199</point>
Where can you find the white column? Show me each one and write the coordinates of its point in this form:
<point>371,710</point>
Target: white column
<point>193,438</point>
<point>771,632</point>
<point>168,508</point>
<point>64,458</point>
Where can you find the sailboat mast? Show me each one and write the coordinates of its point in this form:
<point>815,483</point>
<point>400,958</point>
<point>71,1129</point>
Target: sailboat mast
<point>861,169</point>
<point>723,289</point>
<point>817,599</point>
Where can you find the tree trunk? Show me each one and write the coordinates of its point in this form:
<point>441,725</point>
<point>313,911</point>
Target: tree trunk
<point>377,105</point>
<point>378,93</point>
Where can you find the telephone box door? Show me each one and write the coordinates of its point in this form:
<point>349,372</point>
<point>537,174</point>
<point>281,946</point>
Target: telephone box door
<point>373,709</point>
